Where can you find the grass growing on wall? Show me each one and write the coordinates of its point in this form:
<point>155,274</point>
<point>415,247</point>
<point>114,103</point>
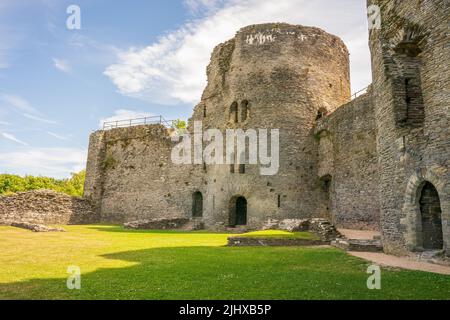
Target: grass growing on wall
<point>132,264</point>
<point>73,186</point>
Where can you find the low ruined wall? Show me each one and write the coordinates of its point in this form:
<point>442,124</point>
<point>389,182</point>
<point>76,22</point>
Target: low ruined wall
<point>45,207</point>
<point>272,242</point>
<point>348,159</point>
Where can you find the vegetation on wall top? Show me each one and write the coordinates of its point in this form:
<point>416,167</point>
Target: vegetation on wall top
<point>73,186</point>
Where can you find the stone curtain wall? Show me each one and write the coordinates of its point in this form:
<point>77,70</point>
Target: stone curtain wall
<point>348,155</point>
<point>410,66</point>
<point>93,184</point>
<point>46,207</point>
<point>131,175</point>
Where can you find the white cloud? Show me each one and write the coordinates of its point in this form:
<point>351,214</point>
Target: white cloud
<point>62,65</point>
<point>17,102</point>
<point>52,162</point>
<point>24,108</point>
<point>57,136</point>
<point>4,123</point>
<point>202,6</point>
<point>11,137</point>
<point>172,70</point>
<point>125,114</point>
<point>37,118</point>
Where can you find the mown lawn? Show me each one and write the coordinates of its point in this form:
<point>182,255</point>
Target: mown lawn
<point>122,264</point>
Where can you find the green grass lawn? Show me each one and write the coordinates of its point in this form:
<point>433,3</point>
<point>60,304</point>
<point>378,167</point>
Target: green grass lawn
<point>123,264</point>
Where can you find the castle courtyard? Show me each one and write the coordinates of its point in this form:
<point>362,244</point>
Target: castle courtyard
<point>126,264</point>
<point>201,151</point>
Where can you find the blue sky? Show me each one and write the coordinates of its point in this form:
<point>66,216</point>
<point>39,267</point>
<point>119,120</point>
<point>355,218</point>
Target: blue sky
<point>130,58</point>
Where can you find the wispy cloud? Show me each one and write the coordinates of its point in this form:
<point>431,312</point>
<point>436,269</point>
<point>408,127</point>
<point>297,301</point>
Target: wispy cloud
<point>57,136</point>
<point>17,102</point>
<point>172,70</point>
<point>62,65</point>
<point>124,114</point>
<point>202,6</point>
<point>66,138</point>
<point>53,162</point>
<point>24,108</point>
<point>40,119</point>
<point>11,137</point>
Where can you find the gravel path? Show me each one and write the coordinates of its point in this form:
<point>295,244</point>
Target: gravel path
<point>401,262</point>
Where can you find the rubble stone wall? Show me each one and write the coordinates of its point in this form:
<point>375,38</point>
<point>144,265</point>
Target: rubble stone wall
<point>411,86</point>
<point>348,161</point>
<point>46,207</point>
<point>134,178</point>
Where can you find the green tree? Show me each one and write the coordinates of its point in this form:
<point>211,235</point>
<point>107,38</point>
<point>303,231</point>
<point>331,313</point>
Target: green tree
<point>13,183</point>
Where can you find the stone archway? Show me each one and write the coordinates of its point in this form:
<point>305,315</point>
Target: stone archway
<point>415,203</point>
<point>238,211</point>
<point>431,214</point>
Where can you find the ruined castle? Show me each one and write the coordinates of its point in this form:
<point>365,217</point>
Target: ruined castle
<point>378,162</point>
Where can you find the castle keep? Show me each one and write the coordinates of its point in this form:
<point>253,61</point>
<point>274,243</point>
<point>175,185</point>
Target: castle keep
<point>377,162</point>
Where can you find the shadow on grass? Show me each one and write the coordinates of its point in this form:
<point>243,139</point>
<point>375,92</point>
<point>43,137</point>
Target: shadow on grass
<point>234,273</point>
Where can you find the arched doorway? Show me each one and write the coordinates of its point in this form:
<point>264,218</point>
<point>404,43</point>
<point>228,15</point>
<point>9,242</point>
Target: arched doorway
<point>238,211</point>
<point>427,188</point>
<point>431,216</point>
<point>197,204</point>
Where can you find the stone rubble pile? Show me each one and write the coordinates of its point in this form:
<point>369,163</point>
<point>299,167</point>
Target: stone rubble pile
<point>158,224</point>
<point>36,227</point>
<point>323,228</point>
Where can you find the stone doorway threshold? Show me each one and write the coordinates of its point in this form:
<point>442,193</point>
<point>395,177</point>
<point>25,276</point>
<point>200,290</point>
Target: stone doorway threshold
<point>409,263</point>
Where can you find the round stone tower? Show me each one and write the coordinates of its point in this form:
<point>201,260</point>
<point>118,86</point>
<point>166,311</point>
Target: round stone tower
<point>271,76</point>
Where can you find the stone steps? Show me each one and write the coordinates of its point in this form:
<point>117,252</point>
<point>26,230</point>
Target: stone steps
<point>360,245</point>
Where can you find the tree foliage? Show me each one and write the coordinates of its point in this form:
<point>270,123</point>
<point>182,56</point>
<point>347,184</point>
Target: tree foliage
<point>180,124</point>
<point>73,186</point>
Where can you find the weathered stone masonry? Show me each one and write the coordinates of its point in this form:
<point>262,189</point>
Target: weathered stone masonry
<point>348,164</point>
<point>269,76</point>
<point>46,207</point>
<point>281,76</point>
<point>411,86</point>
<point>380,161</point>
<point>130,175</point>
